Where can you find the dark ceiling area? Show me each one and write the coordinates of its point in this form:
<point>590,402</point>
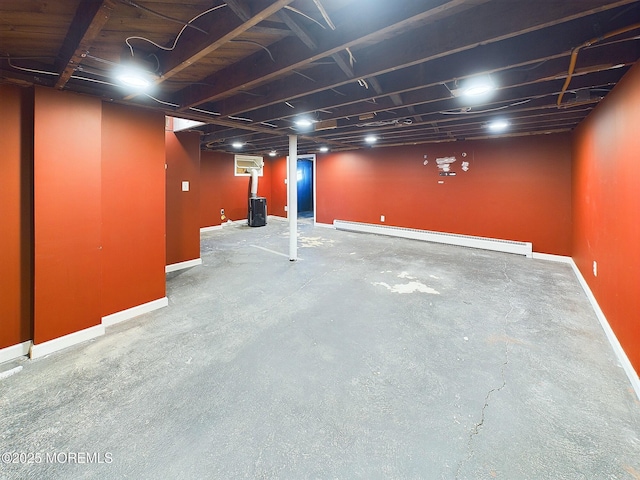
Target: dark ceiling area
<point>405,71</point>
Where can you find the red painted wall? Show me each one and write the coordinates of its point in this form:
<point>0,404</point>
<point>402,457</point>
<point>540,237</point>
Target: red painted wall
<point>278,187</point>
<point>15,214</point>
<point>183,208</point>
<point>606,198</point>
<point>515,189</point>
<point>133,207</point>
<point>220,188</point>
<point>67,193</point>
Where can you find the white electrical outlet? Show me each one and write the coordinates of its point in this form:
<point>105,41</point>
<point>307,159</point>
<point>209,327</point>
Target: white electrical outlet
<point>595,268</point>
<point>382,218</point>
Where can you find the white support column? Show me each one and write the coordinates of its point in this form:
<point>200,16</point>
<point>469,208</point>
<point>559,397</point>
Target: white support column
<point>292,186</point>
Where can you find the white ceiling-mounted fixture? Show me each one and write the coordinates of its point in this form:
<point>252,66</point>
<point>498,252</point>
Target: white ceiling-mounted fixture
<point>136,74</point>
<point>497,126</point>
<point>473,87</point>
<point>371,139</point>
<point>324,149</point>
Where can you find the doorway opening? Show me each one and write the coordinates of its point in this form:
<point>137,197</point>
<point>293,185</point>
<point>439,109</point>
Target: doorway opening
<point>306,186</point>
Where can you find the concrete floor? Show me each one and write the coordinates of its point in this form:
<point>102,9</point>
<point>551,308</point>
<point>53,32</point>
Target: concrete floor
<point>371,357</point>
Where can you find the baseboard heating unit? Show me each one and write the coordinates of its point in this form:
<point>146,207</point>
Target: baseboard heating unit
<point>484,243</point>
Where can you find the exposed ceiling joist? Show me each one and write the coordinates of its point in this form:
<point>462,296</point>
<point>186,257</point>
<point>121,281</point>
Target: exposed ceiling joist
<point>395,18</point>
<point>87,23</point>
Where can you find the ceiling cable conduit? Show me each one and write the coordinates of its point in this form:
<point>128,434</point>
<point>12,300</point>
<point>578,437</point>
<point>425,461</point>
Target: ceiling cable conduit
<point>175,42</point>
<point>576,50</point>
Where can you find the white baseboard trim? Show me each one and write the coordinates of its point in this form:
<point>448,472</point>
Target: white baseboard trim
<point>324,225</point>
<point>45,348</point>
<point>132,312</point>
<point>552,258</point>
<point>15,351</point>
<point>211,229</point>
<point>611,336</point>
<point>182,265</point>
<point>484,243</point>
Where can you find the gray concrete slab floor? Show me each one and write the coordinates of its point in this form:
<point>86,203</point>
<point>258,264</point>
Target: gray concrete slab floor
<point>370,357</point>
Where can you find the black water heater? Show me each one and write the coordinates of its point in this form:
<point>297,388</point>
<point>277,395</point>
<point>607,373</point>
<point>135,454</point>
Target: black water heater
<point>257,212</point>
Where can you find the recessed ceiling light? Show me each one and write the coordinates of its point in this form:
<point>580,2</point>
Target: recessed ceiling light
<point>324,149</point>
<point>498,125</point>
<point>272,153</point>
<point>237,144</point>
<point>371,139</point>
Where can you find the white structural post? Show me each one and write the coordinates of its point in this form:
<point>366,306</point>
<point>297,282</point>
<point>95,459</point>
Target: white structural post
<point>292,186</point>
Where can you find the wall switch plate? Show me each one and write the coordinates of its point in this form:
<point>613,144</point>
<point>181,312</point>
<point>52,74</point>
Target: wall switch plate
<point>185,186</point>
<point>595,268</point>
<point>286,209</point>
<point>382,218</point>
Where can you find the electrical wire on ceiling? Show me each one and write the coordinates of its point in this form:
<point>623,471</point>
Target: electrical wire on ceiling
<point>204,111</point>
<point>175,42</point>
<point>162,15</point>
<point>324,14</point>
<point>588,43</point>
<point>352,59</point>
<point>242,119</point>
<point>384,123</point>
<point>162,102</point>
<point>30,70</point>
<point>303,75</point>
<point>254,43</point>
<point>295,10</point>
<point>56,74</point>
<point>468,111</point>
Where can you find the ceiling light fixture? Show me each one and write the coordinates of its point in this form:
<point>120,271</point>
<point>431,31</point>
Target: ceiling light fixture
<point>237,144</point>
<point>324,149</point>
<point>272,153</point>
<point>476,90</point>
<point>303,122</point>
<point>371,139</point>
<point>498,125</point>
<point>135,77</point>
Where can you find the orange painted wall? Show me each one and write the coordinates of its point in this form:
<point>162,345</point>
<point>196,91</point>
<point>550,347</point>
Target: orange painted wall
<point>15,214</point>
<point>133,207</point>
<point>67,194</point>
<point>606,198</point>
<point>183,208</point>
<point>220,188</point>
<point>515,189</point>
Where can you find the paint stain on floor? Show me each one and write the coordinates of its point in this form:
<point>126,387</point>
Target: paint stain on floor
<point>411,287</point>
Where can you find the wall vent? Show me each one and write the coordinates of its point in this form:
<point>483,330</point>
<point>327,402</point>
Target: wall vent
<point>484,243</point>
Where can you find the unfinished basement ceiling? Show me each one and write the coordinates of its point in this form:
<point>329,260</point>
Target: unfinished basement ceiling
<point>394,69</point>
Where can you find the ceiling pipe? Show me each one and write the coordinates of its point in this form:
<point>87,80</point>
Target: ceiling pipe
<point>575,51</point>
